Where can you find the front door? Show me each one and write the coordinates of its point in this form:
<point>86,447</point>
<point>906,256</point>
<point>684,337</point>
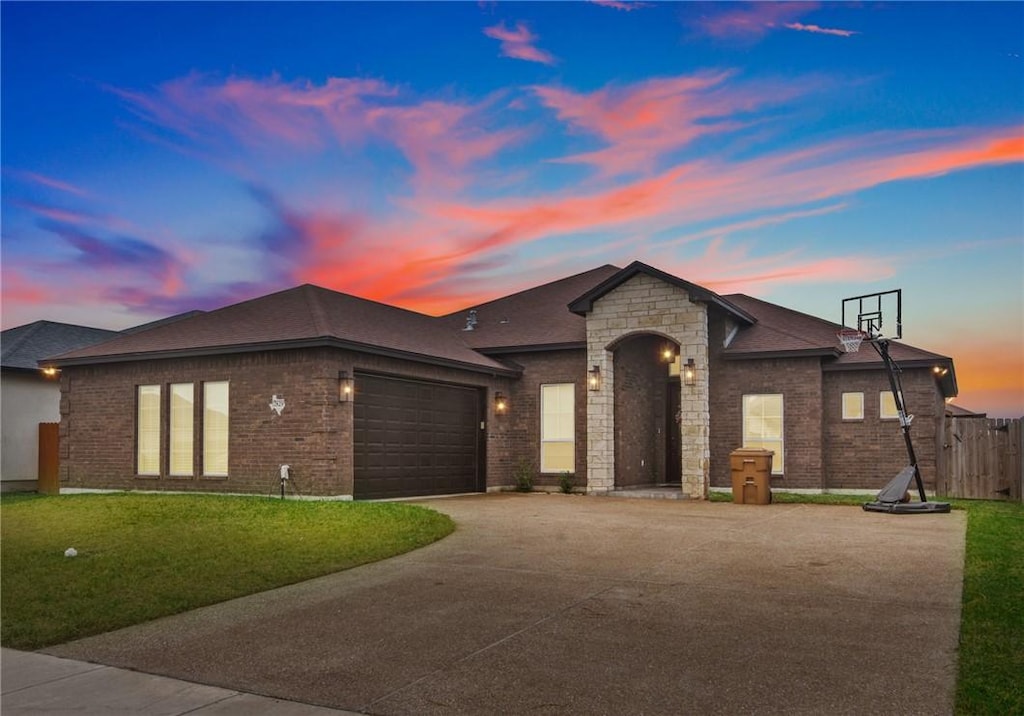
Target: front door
<point>673,454</point>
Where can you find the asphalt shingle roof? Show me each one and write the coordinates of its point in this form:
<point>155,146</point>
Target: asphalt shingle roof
<point>24,346</point>
<point>305,315</point>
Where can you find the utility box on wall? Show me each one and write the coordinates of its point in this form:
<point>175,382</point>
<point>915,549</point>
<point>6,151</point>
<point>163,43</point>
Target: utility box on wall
<point>751,476</point>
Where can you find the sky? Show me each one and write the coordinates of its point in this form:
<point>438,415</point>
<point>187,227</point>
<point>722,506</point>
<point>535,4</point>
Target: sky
<point>163,157</point>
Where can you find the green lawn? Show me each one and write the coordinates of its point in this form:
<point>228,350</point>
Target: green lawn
<point>146,556</point>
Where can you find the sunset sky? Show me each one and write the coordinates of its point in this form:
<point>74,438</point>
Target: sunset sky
<point>158,158</point>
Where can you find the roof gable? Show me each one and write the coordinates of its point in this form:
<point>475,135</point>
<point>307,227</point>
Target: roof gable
<point>584,304</point>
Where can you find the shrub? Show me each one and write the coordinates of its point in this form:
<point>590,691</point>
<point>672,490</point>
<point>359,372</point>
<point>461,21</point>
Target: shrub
<point>566,482</point>
<point>524,476</point>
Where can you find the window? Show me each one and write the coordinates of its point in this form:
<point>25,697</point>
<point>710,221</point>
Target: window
<point>762,426</point>
<point>182,414</point>
<point>853,406</point>
<point>147,455</point>
<point>558,428</point>
<point>215,428</point>
<point>887,406</point>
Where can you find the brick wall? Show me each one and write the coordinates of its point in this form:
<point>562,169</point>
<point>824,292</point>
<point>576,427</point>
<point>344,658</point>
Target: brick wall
<point>868,453</point>
<point>313,434</point>
<point>522,423</point>
<point>799,380</point>
<point>641,383</point>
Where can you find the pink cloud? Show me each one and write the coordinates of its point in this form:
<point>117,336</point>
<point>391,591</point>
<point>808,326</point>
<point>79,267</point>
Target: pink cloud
<point>620,5</point>
<point>519,43</point>
<point>820,30</point>
<point>439,139</point>
<point>750,20</point>
<point>47,181</point>
<point>643,122</point>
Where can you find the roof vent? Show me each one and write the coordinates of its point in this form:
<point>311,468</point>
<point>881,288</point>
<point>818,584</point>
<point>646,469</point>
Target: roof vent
<point>471,321</point>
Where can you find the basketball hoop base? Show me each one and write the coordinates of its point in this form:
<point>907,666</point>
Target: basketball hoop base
<point>908,508</point>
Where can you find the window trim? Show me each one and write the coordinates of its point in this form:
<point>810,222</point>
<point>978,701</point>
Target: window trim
<point>188,433</point>
<point>849,416</point>
<point>882,400</point>
<point>777,464</point>
<point>206,444</point>
<point>544,470</point>
<point>145,443</point>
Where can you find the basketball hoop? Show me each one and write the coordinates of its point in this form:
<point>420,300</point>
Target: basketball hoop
<point>851,339</point>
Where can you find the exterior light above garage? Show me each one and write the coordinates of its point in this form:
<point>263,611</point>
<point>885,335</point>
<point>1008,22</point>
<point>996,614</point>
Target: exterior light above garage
<point>500,404</point>
<point>668,353</point>
<point>594,378</point>
<point>345,387</point>
<point>690,372</point>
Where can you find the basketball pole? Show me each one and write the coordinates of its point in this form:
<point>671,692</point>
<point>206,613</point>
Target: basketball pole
<point>895,384</point>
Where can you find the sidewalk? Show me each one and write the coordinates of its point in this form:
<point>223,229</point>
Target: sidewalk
<point>40,684</point>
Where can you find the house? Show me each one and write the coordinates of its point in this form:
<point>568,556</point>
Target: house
<point>31,396</point>
<point>623,377</point>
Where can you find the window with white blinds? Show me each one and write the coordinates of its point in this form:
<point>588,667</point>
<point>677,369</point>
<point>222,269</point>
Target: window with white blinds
<point>558,428</point>
<point>181,438</point>
<point>762,426</point>
<point>215,428</point>
<point>147,445</point>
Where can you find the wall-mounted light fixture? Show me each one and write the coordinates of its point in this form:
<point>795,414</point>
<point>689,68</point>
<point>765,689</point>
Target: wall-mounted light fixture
<point>50,372</point>
<point>668,353</point>
<point>346,386</point>
<point>689,372</point>
<point>940,371</point>
<point>594,378</point>
<point>500,403</point>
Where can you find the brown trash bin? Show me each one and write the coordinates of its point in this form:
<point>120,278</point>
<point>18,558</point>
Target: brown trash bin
<point>751,476</point>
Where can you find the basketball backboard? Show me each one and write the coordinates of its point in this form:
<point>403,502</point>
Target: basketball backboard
<point>879,315</point>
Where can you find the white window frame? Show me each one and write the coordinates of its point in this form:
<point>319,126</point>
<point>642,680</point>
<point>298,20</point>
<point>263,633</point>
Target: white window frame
<point>561,436</point>
<point>887,400</point>
<point>776,445</point>
<point>216,431</point>
<point>851,414</point>
<point>148,411</point>
<point>181,430</point>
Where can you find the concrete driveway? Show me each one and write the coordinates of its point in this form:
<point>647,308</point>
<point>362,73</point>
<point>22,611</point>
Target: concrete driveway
<point>553,604</point>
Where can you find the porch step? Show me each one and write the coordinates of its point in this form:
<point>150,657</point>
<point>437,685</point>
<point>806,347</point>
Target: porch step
<point>659,492</point>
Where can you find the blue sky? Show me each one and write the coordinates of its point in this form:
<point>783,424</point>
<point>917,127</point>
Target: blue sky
<point>159,157</point>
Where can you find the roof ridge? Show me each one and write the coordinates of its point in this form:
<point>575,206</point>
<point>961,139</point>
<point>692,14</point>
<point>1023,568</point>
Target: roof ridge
<point>30,329</point>
<point>316,310</point>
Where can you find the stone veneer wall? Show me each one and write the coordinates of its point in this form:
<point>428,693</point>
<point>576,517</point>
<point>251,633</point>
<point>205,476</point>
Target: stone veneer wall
<point>644,304</point>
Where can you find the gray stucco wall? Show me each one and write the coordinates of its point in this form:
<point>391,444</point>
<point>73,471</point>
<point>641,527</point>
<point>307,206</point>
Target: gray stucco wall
<point>27,400</point>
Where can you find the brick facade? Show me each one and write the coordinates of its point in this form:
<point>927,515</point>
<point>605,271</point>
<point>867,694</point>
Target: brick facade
<point>868,453</point>
<point>313,434</point>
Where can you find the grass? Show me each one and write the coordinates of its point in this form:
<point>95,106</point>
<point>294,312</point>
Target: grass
<point>145,556</point>
<point>991,658</point>
<point>992,625</point>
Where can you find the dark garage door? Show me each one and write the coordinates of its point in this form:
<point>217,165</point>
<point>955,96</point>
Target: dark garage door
<point>415,438</point>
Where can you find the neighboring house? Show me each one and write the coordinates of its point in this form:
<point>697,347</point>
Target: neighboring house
<point>624,377</point>
<point>29,396</point>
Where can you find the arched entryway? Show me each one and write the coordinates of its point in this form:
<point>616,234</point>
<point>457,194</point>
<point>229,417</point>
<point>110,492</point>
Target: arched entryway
<point>646,406</point>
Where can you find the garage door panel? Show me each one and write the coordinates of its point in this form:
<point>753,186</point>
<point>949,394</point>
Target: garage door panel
<point>414,438</point>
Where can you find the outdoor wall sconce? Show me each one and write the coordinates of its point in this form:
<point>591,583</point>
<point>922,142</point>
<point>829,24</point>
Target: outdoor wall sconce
<point>50,372</point>
<point>345,387</point>
<point>500,404</point>
<point>594,378</point>
<point>690,372</point>
<point>668,353</point>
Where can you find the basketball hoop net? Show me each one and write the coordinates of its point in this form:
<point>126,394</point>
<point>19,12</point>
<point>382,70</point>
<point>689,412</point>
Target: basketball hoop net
<point>851,338</point>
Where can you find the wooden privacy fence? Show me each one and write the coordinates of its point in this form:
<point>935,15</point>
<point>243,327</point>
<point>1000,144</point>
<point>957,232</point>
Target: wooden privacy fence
<point>982,458</point>
<point>49,459</point>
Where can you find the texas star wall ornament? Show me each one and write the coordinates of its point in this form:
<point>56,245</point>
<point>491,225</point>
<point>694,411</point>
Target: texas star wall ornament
<point>277,404</point>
